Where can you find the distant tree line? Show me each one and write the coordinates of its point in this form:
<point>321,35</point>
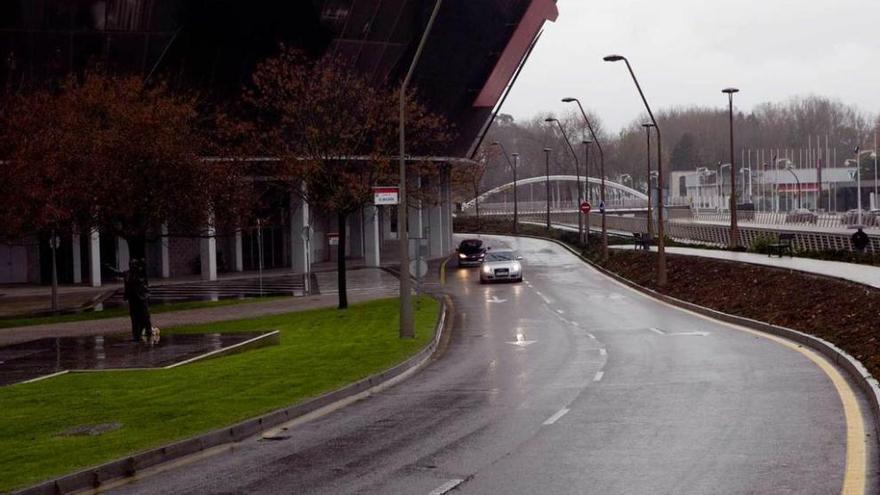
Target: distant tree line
<point>692,136</point>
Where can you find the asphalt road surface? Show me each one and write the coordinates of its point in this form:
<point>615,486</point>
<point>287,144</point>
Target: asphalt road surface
<point>570,383</point>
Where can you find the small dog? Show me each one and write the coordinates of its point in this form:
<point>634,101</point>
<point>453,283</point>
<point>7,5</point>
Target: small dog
<point>154,335</point>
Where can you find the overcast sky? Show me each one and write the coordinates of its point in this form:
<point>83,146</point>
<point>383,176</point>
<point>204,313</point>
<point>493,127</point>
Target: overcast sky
<point>685,51</point>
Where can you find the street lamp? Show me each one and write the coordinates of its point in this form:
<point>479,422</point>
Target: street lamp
<point>601,173</point>
<point>407,319</point>
<point>776,177</point>
<point>648,126</point>
<point>576,172</point>
<point>547,152</point>
<point>790,168</point>
<point>588,192</point>
<point>513,168</point>
<point>661,242</point>
<point>734,233</point>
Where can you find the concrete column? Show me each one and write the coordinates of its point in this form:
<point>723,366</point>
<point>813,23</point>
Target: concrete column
<point>238,258</point>
<point>372,244</point>
<point>415,228</point>
<point>447,213</point>
<point>77,258</point>
<point>356,234</point>
<point>165,252</point>
<point>437,231</point>
<point>208,254</point>
<point>122,256</point>
<point>95,258</point>
<point>299,219</point>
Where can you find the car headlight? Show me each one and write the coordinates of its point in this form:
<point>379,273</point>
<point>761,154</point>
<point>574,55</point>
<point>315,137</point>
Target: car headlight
<point>516,268</point>
<point>487,269</point>
<point>462,255</point>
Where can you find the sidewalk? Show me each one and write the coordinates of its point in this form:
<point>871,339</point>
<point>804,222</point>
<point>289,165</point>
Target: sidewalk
<point>862,274</point>
<point>364,284</point>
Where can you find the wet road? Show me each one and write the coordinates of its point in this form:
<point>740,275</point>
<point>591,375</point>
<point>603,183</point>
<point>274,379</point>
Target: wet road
<point>566,383</point>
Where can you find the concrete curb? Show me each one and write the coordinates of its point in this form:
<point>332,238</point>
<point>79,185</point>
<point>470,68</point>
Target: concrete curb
<point>93,478</point>
<point>857,371</point>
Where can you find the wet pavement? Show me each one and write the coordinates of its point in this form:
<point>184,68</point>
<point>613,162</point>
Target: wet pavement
<point>566,383</point>
<point>30,360</point>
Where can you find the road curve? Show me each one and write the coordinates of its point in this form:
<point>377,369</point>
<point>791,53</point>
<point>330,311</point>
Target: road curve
<point>568,383</point>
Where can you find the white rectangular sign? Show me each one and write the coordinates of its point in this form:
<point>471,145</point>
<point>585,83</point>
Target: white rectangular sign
<point>384,196</point>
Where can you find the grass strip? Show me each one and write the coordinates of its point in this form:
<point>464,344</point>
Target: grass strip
<point>320,350</point>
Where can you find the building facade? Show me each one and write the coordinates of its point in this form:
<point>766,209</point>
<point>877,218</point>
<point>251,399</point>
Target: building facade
<point>470,59</point>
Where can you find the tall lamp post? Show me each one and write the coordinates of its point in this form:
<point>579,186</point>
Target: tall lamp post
<point>661,243</point>
<point>648,127</point>
<point>577,173</point>
<point>601,172</point>
<point>588,192</point>
<point>547,152</point>
<point>513,168</point>
<point>797,181</point>
<point>588,195</point>
<point>407,321</point>
<point>776,163</point>
<point>734,231</point>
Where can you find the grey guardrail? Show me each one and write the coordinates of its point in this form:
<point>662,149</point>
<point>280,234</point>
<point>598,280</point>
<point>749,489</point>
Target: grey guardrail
<point>129,466</point>
<point>857,371</point>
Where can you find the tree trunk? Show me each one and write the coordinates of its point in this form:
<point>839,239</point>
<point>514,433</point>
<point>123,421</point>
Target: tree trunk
<point>340,261</point>
<point>54,247</point>
<point>137,249</point>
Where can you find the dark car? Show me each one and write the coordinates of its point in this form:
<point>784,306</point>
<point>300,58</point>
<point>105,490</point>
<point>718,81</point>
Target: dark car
<point>470,252</point>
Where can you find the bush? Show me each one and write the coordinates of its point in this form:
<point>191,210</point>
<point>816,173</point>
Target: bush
<point>761,244</point>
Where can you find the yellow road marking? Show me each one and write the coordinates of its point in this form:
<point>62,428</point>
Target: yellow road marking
<point>855,470</point>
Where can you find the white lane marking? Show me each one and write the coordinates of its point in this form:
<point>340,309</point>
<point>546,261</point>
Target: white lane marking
<point>521,341</point>
<point>560,311</point>
<point>679,334</point>
<point>560,413</point>
<point>542,296</point>
<point>591,336</point>
<point>603,352</point>
<point>496,300</point>
<point>575,323</point>
<point>599,375</point>
<point>446,487</point>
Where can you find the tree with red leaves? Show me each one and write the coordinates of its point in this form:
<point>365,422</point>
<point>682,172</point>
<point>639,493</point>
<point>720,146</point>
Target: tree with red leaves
<point>109,152</point>
<point>334,132</point>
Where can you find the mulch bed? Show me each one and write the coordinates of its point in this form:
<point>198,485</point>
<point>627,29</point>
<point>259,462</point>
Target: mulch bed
<point>844,313</point>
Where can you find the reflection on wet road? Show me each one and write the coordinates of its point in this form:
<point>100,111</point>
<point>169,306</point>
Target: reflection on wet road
<point>565,383</point>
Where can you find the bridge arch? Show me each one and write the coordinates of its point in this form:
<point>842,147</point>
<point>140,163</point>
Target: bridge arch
<point>623,190</point>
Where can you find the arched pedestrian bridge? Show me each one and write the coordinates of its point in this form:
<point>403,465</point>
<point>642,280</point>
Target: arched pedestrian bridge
<point>532,196</point>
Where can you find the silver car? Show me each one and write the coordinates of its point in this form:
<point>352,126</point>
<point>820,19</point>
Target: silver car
<point>501,265</point>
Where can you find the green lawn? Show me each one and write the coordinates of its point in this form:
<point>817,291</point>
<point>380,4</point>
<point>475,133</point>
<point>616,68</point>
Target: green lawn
<point>320,350</point>
<point>123,311</point>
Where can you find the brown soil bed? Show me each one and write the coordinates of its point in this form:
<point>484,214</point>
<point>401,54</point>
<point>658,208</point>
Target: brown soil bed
<point>846,314</point>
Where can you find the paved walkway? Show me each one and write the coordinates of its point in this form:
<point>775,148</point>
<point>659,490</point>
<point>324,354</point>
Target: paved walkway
<point>364,285</point>
<point>863,274</point>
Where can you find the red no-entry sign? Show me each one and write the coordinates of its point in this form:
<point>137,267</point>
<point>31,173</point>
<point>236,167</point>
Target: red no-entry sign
<point>586,207</point>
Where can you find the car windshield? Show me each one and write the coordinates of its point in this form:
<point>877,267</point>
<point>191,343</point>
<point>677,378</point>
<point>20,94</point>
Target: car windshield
<point>470,246</point>
<point>501,256</point>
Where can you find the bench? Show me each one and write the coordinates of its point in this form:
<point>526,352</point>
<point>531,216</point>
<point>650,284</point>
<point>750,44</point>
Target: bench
<point>781,246</point>
<point>642,241</point>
